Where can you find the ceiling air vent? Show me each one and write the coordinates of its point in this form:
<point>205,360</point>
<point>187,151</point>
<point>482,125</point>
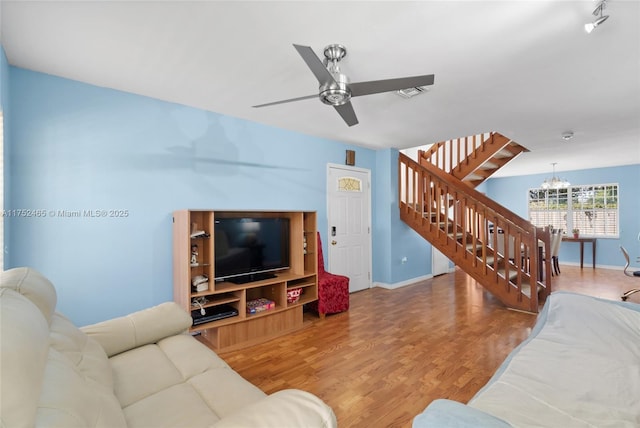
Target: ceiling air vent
<point>411,92</point>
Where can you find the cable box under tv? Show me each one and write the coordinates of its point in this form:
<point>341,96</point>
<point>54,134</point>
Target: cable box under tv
<point>213,313</point>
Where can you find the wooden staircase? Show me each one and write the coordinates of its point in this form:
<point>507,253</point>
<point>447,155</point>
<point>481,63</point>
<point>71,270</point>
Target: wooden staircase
<point>472,159</point>
<point>495,246</point>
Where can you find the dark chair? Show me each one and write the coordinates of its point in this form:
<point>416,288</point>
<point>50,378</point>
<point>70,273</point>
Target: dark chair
<point>333,290</point>
<point>556,241</point>
<point>554,249</point>
<point>626,294</point>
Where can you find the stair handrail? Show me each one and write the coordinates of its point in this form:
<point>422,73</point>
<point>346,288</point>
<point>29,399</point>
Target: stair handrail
<point>449,154</point>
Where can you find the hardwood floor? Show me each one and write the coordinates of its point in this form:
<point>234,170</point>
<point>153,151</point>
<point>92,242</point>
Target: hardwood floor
<point>382,362</point>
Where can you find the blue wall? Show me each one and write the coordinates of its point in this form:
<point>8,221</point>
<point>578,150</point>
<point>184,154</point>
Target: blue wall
<point>397,240</point>
<point>512,193</point>
<point>81,147</point>
<point>382,219</point>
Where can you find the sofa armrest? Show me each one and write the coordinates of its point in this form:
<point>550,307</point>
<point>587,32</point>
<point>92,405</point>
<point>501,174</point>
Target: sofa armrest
<point>286,408</point>
<point>139,328</point>
<point>448,413</point>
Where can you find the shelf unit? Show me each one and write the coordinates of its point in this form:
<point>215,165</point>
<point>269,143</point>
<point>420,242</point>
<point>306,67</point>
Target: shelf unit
<point>244,329</point>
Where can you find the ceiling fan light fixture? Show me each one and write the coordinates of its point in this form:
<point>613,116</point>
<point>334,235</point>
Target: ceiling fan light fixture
<point>336,93</point>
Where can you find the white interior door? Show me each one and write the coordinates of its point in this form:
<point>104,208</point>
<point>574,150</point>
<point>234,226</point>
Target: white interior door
<point>349,217</point>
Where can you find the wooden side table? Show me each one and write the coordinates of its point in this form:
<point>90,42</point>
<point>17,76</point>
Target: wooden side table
<point>582,241</point>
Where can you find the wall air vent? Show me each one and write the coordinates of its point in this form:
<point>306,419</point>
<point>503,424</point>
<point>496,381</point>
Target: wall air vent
<point>411,92</point>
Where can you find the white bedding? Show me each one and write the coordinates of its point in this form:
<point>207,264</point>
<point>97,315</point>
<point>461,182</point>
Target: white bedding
<point>581,369</point>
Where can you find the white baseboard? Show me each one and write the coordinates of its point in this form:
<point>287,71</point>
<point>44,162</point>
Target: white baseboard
<point>590,266</point>
<point>402,283</point>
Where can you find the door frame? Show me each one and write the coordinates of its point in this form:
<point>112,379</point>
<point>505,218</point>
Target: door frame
<point>369,221</point>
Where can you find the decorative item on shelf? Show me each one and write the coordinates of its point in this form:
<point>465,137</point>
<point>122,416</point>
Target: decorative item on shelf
<point>576,233</point>
<point>200,283</point>
<point>199,234</point>
<point>259,305</point>
<point>194,255</point>
<point>293,295</point>
<point>304,245</point>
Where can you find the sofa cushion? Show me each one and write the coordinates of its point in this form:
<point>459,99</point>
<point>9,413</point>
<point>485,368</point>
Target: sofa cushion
<point>34,286</point>
<point>82,351</point>
<point>24,348</point>
<point>298,408</point>
<point>140,328</point>
<point>69,399</point>
<point>224,390</point>
<point>177,406</point>
<point>178,368</point>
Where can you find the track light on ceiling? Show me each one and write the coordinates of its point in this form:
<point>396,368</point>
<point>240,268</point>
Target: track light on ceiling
<point>597,11</point>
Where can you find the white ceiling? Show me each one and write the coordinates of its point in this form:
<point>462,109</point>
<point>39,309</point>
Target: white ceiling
<point>526,69</point>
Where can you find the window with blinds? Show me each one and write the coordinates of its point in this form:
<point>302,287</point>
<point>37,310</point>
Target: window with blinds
<point>593,209</point>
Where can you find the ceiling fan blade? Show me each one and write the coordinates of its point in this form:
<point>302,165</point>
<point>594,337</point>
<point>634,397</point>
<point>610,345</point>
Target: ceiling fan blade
<point>389,85</point>
<point>287,101</point>
<point>347,113</point>
<point>314,63</point>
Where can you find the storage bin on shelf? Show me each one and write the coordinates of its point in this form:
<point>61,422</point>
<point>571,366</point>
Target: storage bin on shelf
<point>293,295</point>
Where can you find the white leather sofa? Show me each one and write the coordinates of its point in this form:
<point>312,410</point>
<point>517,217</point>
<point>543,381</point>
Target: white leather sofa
<point>142,370</point>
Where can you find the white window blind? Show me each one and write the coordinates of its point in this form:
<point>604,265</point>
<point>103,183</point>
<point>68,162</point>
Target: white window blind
<point>593,209</point>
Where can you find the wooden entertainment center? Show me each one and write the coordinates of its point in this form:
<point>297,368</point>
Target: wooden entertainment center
<point>243,329</point>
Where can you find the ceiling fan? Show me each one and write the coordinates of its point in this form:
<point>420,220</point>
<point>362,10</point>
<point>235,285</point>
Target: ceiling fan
<point>335,89</point>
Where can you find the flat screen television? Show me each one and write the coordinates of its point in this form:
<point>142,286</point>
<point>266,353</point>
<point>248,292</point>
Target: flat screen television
<point>250,248</point>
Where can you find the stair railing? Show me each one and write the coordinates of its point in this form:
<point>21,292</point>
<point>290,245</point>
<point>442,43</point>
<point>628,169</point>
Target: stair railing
<point>449,155</point>
<point>458,220</point>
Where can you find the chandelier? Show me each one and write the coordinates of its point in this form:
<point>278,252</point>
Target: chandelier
<point>555,182</point>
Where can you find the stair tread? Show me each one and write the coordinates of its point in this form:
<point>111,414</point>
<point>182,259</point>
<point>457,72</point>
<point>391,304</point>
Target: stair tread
<point>503,153</point>
<point>526,289</point>
<point>489,165</point>
<point>512,273</point>
<point>473,176</point>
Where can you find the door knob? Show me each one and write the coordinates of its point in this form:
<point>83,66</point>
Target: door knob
<point>333,242</point>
